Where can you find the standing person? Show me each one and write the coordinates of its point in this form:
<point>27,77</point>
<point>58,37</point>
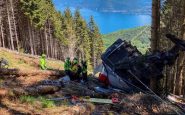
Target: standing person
<point>75,69</point>
<point>67,66</point>
<point>84,71</point>
<point>43,62</point>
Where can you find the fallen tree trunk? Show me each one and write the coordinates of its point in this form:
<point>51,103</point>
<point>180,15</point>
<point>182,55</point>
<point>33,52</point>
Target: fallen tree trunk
<point>4,71</point>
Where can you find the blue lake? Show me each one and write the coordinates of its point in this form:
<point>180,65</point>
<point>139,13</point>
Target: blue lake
<point>112,21</point>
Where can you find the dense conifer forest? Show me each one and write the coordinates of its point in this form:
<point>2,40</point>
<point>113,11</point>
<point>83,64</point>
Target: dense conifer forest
<point>35,27</point>
<point>169,18</point>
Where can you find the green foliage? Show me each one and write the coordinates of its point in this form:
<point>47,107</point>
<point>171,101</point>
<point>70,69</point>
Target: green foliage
<point>96,42</point>
<point>82,35</point>
<point>75,35</point>
<point>27,99</point>
<point>46,103</point>
<point>21,61</point>
<point>139,37</point>
<point>41,11</point>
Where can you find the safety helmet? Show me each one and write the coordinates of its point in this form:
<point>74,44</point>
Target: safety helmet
<point>43,55</point>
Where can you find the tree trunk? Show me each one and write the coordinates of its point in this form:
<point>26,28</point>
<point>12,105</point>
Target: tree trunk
<point>2,35</point>
<point>154,34</point>
<point>46,40</point>
<point>50,41</point>
<point>14,24</point>
<point>30,37</point>
<point>155,24</point>
<point>10,27</point>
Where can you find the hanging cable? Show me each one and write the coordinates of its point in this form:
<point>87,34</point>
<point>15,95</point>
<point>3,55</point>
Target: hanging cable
<point>154,94</point>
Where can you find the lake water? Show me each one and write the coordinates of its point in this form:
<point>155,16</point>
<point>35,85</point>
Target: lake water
<point>112,21</point>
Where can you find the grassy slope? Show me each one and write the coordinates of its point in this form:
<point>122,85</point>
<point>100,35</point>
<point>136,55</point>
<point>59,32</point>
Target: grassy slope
<point>138,36</point>
<point>27,62</point>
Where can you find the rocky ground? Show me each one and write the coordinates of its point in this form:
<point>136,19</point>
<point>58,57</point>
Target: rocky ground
<point>21,93</point>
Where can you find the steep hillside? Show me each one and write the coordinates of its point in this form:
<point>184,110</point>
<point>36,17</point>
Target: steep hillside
<point>25,62</point>
<point>22,92</point>
<point>139,37</point>
<point>36,27</point>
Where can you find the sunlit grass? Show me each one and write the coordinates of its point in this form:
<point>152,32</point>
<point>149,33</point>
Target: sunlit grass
<point>42,100</point>
<point>27,99</point>
<point>46,103</point>
<point>20,61</point>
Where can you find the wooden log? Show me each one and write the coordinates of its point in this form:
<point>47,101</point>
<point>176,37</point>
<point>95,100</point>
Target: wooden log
<point>4,71</point>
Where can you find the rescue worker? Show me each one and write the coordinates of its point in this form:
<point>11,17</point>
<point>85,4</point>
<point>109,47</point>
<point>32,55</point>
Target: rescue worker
<point>75,70</point>
<point>67,66</point>
<point>84,71</point>
<point>43,62</point>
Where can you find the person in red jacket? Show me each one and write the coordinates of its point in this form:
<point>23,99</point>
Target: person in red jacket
<point>103,78</point>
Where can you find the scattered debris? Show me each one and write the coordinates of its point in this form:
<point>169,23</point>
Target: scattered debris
<point>178,101</point>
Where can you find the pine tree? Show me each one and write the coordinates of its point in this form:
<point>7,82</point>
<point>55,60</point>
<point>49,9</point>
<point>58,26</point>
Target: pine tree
<point>69,34</point>
<point>81,29</point>
<point>172,19</point>
<point>96,42</point>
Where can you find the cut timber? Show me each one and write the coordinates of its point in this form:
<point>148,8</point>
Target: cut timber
<point>78,89</point>
<point>47,89</point>
<point>9,71</point>
<point>41,90</point>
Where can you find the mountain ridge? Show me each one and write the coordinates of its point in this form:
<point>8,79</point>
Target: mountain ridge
<point>121,6</point>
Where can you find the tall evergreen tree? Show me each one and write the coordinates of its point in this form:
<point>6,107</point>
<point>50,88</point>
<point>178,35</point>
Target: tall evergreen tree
<point>69,34</point>
<point>96,43</point>
<point>83,44</point>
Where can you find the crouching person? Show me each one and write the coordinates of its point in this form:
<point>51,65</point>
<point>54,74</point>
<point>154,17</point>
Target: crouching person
<point>84,71</point>
<point>67,67</point>
<point>75,70</point>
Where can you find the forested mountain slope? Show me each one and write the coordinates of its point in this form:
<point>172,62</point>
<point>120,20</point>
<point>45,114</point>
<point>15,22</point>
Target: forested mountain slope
<point>123,6</point>
<point>139,37</point>
<point>36,27</point>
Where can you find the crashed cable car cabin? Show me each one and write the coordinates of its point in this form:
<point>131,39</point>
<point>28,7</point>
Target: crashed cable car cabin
<point>127,69</point>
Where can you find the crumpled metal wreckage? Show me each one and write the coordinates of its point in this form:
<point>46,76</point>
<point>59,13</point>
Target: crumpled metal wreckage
<point>127,69</point>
